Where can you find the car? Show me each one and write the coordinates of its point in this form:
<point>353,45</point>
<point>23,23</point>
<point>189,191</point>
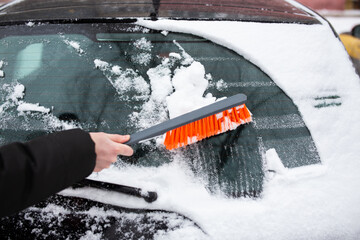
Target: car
<point>124,66</point>
<point>351,42</point>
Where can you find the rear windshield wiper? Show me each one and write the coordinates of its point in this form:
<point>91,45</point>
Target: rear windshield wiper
<point>148,196</point>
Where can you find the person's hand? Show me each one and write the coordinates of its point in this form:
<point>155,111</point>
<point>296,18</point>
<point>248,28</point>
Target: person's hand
<point>108,147</point>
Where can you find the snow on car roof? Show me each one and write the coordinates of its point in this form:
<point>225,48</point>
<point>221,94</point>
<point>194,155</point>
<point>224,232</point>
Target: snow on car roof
<point>244,10</point>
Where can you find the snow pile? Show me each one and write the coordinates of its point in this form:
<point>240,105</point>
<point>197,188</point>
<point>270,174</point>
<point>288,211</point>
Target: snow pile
<point>154,110</point>
<point>189,84</point>
<point>31,107</point>
<point>160,81</point>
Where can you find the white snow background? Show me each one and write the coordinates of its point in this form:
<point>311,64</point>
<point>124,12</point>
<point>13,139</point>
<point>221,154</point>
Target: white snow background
<point>313,202</point>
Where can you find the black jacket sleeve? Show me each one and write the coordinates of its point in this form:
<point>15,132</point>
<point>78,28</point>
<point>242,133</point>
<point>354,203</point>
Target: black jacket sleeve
<point>32,171</point>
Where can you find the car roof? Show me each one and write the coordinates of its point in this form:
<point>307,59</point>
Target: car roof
<point>243,10</point>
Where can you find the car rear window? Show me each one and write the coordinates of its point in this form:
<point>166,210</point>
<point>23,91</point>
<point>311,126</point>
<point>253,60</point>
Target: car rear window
<point>99,77</point>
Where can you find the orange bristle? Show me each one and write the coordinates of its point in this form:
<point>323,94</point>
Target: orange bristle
<point>207,127</point>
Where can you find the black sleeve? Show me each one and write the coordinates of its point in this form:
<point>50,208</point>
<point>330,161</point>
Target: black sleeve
<point>32,171</point>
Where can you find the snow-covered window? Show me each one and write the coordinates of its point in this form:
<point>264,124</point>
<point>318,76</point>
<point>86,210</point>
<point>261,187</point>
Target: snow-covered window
<point>121,78</point>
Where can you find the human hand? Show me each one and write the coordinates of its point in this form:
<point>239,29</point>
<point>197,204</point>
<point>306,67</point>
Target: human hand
<point>108,147</point>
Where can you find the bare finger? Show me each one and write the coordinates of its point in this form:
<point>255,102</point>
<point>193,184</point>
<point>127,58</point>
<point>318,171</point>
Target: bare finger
<point>119,138</point>
<point>125,150</point>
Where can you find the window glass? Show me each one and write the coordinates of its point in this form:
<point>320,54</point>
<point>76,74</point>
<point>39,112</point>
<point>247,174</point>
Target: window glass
<point>101,78</point>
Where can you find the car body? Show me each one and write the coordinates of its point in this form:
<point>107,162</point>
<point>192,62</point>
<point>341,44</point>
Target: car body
<point>351,42</point>
<point>113,66</point>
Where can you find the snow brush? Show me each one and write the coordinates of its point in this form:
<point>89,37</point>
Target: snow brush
<point>213,119</point>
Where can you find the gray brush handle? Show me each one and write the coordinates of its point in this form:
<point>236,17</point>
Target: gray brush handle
<point>192,116</point>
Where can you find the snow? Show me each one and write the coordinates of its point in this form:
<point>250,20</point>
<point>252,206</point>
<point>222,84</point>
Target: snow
<point>221,84</point>
<point>160,80</point>
<point>30,24</point>
<point>102,65</point>
<point>187,58</point>
<point>175,55</point>
<point>273,162</point>
<point>153,111</point>
<point>143,44</point>
<point>91,236</point>
<point>2,73</point>
<point>18,93</point>
<point>144,56</point>
<point>75,45</point>
<point>55,209</point>
<point>189,84</point>
<point>165,33</point>
<point>13,94</point>
<point>13,99</point>
<point>31,107</point>
<point>123,80</point>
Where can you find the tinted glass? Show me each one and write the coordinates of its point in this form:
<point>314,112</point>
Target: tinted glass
<point>96,76</point>
<point>356,31</point>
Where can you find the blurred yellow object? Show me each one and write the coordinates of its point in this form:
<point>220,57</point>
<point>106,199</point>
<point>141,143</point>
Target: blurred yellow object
<point>352,45</point>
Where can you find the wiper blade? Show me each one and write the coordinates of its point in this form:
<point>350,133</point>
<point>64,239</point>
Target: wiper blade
<point>148,196</point>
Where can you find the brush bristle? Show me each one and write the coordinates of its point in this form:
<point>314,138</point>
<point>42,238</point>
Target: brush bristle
<point>207,127</point>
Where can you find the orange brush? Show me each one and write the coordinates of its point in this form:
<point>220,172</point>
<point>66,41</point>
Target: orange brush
<point>207,127</point>
<point>194,126</point>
